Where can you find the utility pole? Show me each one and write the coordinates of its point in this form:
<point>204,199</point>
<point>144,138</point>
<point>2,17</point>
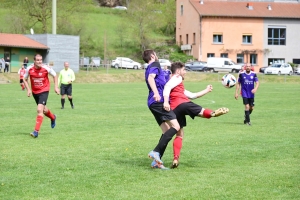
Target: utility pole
<point>54,17</point>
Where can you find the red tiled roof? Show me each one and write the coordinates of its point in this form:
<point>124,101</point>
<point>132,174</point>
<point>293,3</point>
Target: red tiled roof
<point>18,40</point>
<point>240,9</point>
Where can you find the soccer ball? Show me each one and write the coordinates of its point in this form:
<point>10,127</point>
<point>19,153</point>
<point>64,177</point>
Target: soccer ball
<point>228,81</point>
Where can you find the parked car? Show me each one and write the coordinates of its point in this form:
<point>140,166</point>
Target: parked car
<point>162,62</point>
<point>120,8</point>
<point>122,62</point>
<point>297,70</point>
<point>196,66</point>
<point>222,65</point>
<point>279,68</point>
<point>262,69</point>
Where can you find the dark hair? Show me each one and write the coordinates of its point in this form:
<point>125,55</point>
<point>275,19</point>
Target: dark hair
<point>147,55</point>
<point>175,66</point>
<point>37,55</point>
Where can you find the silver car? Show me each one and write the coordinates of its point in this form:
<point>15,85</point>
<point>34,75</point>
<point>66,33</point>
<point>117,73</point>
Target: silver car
<point>279,68</point>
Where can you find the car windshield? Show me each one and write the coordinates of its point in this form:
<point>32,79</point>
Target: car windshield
<point>276,65</point>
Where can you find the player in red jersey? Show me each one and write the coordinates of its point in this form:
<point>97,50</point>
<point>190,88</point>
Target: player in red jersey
<point>40,86</point>
<point>22,72</point>
<point>181,104</point>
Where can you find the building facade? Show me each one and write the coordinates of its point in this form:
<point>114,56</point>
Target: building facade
<point>257,32</point>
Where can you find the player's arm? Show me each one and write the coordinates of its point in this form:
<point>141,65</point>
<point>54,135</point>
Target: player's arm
<point>237,89</point>
<point>73,76</point>
<point>153,87</point>
<point>256,84</point>
<point>53,73</point>
<point>196,95</point>
<point>59,78</point>
<point>25,79</point>
<point>173,82</point>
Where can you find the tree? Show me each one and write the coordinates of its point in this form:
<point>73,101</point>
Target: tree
<point>38,13</point>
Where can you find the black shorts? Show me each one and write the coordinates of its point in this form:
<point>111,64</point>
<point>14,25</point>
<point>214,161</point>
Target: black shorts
<point>21,81</point>
<point>188,108</point>
<point>160,114</point>
<point>249,101</point>
<point>66,89</point>
<point>41,98</point>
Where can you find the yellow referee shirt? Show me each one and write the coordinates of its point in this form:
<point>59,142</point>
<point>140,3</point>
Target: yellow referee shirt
<point>65,76</point>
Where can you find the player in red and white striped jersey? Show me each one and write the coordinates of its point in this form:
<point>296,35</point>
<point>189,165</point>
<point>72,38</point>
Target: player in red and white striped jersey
<point>40,86</point>
<point>21,72</point>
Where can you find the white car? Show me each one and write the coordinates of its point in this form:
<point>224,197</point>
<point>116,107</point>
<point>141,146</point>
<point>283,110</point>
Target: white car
<point>122,62</point>
<point>279,68</point>
<point>120,8</point>
<point>162,62</point>
<point>297,70</point>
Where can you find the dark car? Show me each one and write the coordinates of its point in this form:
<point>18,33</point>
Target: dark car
<point>262,69</point>
<point>196,66</point>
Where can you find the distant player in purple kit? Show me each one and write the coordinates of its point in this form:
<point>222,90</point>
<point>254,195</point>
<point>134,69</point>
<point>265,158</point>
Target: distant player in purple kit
<point>155,80</point>
<point>249,84</point>
<point>167,73</point>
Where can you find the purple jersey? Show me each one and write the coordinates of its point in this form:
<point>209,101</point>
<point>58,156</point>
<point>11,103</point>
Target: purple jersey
<point>160,81</point>
<point>247,83</point>
<point>167,74</point>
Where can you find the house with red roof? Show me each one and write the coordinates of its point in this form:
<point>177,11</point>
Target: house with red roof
<point>259,32</point>
<point>55,49</point>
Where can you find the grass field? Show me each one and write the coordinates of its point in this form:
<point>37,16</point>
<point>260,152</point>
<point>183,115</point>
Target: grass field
<point>99,149</point>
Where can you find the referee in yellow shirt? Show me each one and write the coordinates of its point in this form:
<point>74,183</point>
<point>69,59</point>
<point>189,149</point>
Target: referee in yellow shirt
<point>65,80</point>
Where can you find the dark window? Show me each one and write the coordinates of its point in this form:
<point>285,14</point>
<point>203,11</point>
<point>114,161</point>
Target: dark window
<point>253,59</point>
<point>217,39</point>
<point>276,36</point>
<point>224,55</point>
<point>187,38</point>
<point>181,9</point>
<point>210,55</point>
<point>240,58</point>
<point>275,60</point>
<point>194,38</point>
<point>247,39</point>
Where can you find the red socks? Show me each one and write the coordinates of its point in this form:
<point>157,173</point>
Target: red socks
<point>177,145</point>
<point>38,123</point>
<point>50,115</point>
<point>207,113</point>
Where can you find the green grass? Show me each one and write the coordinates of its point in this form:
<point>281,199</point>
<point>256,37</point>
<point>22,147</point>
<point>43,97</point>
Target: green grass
<point>99,149</point>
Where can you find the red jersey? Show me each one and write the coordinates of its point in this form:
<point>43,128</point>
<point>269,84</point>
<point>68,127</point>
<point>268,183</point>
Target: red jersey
<point>177,96</point>
<point>22,73</point>
<point>39,78</point>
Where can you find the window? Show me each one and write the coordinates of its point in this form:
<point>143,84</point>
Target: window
<point>217,38</point>
<point>224,55</point>
<point>180,40</point>
<point>210,55</point>
<point>187,38</point>
<point>253,59</point>
<point>194,38</point>
<point>275,60</point>
<point>240,58</point>
<point>247,39</point>
<point>181,10</point>
<point>276,36</point>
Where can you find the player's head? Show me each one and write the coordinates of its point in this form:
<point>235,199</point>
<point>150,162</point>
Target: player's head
<point>248,67</point>
<point>22,66</point>
<point>149,56</point>
<point>178,68</point>
<point>38,60</point>
<point>66,65</point>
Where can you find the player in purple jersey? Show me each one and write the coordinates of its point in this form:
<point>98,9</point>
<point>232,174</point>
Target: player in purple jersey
<point>249,84</point>
<point>155,80</point>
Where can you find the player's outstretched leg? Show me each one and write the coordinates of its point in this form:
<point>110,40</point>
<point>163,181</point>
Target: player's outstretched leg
<point>155,156</point>
<point>155,165</point>
<point>219,112</point>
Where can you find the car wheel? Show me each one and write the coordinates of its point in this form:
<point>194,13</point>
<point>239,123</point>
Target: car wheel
<point>116,66</point>
<point>135,67</point>
<point>290,74</point>
<point>211,70</point>
<point>205,69</point>
<point>279,73</point>
<point>234,71</point>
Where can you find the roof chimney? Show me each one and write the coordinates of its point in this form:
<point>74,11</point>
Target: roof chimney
<point>269,7</point>
<point>201,2</point>
<point>250,6</point>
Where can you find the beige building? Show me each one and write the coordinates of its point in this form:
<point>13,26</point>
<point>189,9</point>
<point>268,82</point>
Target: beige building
<point>257,32</point>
